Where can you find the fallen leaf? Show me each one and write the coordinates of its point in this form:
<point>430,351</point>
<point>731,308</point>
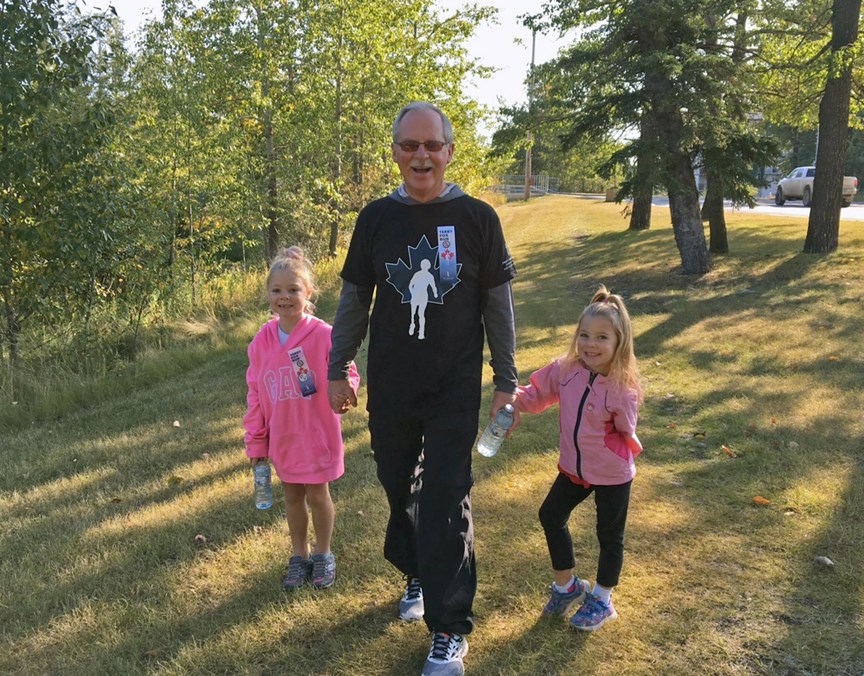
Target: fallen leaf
<point>728,451</point>
<point>793,444</point>
<point>833,357</point>
<point>200,539</point>
<point>672,426</point>
<point>155,652</point>
<point>698,434</point>
<point>174,480</point>
<point>176,423</point>
<point>206,456</point>
<point>116,500</point>
<point>759,500</point>
<point>773,420</point>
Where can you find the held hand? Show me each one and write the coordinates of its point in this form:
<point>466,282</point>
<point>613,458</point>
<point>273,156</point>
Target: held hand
<point>499,399</point>
<point>255,461</point>
<point>341,396</point>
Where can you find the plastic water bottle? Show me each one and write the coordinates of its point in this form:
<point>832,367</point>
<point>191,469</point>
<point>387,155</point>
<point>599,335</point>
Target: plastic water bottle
<point>496,430</point>
<point>263,487</point>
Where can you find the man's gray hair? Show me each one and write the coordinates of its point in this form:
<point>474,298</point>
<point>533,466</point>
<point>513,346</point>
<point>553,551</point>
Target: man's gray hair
<point>423,105</point>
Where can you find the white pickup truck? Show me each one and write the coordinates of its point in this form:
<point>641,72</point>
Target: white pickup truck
<point>798,185</point>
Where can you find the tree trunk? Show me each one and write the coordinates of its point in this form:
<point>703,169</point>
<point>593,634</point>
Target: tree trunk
<point>337,159</point>
<point>271,209</point>
<point>823,228</point>
<point>679,178</point>
<point>643,185</point>
<point>640,216</point>
<point>12,331</point>
<point>713,212</point>
<point>686,217</point>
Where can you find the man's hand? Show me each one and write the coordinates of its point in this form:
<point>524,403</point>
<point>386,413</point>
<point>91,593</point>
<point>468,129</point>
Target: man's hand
<point>499,399</point>
<point>341,396</point>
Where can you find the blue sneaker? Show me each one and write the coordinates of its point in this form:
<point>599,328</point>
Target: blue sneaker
<point>299,570</point>
<point>411,604</point>
<point>593,614</point>
<point>323,570</point>
<point>560,602</point>
<point>445,657</point>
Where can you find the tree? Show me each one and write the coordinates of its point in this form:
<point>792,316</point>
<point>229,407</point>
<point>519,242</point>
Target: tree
<point>824,225</point>
<point>643,66</point>
<point>51,123</point>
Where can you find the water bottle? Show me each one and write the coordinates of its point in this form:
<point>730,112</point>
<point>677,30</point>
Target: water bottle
<point>496,430</point>
<point>263,487</point>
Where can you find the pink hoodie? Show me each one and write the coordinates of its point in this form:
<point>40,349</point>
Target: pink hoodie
<point>599,415</point>
<point>301,435</point>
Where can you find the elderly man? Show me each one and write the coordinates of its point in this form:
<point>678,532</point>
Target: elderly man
<point>438,264</point>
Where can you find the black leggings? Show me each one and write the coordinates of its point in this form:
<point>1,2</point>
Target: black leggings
<point>611,502</point>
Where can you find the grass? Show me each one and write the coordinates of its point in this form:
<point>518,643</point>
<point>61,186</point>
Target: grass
<point>101,571</point>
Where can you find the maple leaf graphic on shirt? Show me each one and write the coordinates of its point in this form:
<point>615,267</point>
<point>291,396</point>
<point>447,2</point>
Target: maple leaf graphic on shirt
<point>399,274</point>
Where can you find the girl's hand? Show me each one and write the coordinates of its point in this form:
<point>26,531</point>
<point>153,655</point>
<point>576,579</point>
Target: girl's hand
<point>255,461</point>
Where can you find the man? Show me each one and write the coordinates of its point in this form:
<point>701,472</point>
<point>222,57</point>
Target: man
<point>427,239</point>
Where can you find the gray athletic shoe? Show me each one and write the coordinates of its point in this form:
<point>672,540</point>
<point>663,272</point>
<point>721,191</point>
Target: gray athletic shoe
<point>323,570</point>
<point>411,603</point>
<point>299,570</point>
<point>445,657</point>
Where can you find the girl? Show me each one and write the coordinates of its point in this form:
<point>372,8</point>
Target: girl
<point>289,419</point>
<point>597,385</point>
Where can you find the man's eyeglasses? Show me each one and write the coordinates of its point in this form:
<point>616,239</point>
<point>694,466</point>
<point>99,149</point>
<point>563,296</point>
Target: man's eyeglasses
<point>414,146</point>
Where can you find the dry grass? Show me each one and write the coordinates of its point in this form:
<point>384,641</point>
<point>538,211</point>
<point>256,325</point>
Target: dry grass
<point>101,573</point>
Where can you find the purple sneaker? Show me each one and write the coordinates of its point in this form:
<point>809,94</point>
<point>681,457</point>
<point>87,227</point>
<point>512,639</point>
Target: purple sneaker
<point>593,614</point>
<point>560,602</point>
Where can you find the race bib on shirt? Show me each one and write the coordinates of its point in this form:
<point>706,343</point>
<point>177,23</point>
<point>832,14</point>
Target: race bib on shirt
<point>301,370</point>
<point>447,266</point>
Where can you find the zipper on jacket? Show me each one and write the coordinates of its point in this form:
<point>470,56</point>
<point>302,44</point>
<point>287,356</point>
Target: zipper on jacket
<point>578,421</point>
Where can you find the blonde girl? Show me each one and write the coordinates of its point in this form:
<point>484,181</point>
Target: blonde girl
<point>289,420</point>
<point>597,386</point>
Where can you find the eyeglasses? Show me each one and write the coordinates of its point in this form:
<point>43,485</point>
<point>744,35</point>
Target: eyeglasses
<point>414,146</point>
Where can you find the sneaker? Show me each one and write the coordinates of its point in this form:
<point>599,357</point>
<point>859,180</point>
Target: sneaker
<point>299,570</point>
<point>560,602</point>
<point>445,657</point>
<point>323,570</point>
<point>411,603</point>
<point>593,614</point>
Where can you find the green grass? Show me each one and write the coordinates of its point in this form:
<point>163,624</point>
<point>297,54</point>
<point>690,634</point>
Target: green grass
<point>101,572</point>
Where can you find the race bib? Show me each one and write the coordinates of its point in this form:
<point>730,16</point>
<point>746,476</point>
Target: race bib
<point>447,266</point>
<point>301,370</point>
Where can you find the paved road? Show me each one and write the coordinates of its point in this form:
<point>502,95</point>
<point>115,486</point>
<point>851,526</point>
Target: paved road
<point>767,207</point>
<point>854,212</point>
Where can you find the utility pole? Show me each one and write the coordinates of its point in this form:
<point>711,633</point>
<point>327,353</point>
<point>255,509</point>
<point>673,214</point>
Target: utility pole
<point>530,137</point>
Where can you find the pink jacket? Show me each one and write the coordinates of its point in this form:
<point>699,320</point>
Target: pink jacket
<point>300,434</point>
<point>596,419</point>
